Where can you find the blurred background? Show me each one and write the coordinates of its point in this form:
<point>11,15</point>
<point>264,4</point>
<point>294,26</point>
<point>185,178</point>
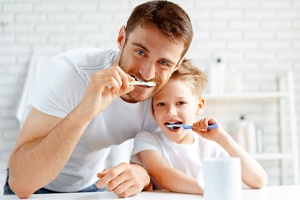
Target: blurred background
<point>249,49</point>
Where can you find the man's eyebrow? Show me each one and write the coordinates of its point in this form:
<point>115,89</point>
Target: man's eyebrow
<point>141,46</point>
<point>148,51</point>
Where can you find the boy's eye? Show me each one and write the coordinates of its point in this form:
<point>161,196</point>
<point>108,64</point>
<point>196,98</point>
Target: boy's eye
<point>180,103</point>
<point>140,52</point>
<point>160,104</point>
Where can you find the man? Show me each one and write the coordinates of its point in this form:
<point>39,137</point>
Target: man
<point>82,104</point>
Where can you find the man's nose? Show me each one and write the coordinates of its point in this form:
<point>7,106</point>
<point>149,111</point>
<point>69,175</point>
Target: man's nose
<point>148,71</point>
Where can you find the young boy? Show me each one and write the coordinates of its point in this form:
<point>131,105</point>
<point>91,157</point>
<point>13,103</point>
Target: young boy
<point>173,157</point>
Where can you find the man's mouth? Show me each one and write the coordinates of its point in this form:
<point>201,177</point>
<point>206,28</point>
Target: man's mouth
<point>142,83</point>
<point>135,78</point>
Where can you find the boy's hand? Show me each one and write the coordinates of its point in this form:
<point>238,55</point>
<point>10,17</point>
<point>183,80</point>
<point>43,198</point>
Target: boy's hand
<point>201,126</point>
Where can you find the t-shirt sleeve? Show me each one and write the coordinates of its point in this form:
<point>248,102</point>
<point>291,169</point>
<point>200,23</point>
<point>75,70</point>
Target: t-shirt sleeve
<point>143,141</point>
<point>58,88</point>
<point>217,150</point>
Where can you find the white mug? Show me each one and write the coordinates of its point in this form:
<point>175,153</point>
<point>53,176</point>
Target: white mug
<point>222,179</point>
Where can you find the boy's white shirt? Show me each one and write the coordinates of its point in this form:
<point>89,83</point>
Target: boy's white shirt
<point>187,158</point>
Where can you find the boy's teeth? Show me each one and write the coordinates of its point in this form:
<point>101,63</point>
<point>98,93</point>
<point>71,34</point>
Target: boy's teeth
<point>171,123</point>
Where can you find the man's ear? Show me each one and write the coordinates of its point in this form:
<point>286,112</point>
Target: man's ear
<point>121,41</point>
<point>200,108</point>
<point>121,37</point>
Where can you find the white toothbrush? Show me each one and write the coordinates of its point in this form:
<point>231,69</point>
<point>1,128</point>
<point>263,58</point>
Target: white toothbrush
<point>149,84</point>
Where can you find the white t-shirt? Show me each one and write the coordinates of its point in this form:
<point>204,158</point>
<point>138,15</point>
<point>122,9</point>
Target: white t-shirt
<point>59,87</point>
<point>187,158</point>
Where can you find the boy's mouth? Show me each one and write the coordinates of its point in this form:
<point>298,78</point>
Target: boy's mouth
<point>171,123</point>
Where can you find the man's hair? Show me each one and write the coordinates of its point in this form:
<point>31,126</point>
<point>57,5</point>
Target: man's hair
<point>168,17</point>
<point>193,77</point>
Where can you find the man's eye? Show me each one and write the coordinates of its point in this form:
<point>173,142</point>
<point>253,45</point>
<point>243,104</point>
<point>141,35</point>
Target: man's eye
<point>140,52</point>
<point>163,62</point>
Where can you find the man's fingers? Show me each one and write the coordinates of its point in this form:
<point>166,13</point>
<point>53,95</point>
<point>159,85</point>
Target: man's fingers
<point>115,183</point>
<point>121,82</point>
<point>129,192</point>
<point>122,180</point>
<point>119,184</point>
<point>102,174</point>
<point>108,175</point>
<point>125,188</point>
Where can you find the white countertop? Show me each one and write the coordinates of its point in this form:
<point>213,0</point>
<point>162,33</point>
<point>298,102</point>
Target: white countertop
<point>267,193</point>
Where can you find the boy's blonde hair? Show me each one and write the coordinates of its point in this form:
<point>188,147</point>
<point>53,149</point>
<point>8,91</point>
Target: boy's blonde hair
<point>193,77</point>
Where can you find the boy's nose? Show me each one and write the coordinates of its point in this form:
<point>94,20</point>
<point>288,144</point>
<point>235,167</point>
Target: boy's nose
<point>171,111</point>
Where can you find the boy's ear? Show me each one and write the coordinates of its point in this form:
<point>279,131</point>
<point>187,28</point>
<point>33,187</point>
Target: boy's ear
<point>200,106</point>
<point>152,109</point>
<point>179,63</point>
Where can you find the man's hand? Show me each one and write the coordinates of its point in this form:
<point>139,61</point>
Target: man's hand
<point>125,179</point>
<point>105,85</point>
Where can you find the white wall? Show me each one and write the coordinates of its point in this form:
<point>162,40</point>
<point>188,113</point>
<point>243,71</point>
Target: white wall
<point>260,39</point>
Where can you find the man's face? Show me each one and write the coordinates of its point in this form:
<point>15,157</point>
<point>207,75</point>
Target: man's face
<point>149,56</point>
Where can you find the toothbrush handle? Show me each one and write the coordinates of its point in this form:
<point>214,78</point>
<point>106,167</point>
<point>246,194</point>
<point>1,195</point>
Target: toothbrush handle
<point>187,126</point>
<point>212,126</point>
<point>137,83</point>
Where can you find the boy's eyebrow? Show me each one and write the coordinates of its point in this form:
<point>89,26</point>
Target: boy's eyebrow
<point>148,51</point>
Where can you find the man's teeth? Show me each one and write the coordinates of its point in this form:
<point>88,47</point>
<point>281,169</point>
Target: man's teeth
<point>135,78</point>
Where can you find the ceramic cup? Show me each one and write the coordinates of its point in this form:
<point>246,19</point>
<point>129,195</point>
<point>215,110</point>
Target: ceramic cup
<point>222,179</point>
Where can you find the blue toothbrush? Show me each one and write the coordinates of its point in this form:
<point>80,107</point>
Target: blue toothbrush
<point>173,126</point>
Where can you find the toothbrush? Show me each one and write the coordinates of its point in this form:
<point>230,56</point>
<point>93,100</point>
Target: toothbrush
<point>172,126</point>
<point>149,84</point>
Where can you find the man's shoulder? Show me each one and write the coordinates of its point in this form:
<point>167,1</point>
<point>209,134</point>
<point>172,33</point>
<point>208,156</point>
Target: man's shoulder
<point>91,56</point>
<point>86,50</point>
<point>84,60</point>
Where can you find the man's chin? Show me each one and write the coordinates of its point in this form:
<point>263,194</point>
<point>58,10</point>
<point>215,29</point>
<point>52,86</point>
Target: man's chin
<point>133,97</point>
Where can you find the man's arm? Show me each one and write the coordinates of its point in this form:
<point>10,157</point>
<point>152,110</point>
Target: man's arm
<point>45,142</point>
<point>44,145</point>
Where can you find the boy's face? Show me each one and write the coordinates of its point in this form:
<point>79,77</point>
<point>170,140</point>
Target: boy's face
<point>148,55</point>
<point>175,103</point>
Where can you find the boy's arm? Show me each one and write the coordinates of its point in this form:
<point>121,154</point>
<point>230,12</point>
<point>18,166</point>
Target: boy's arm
<point>167,177</point>
<point>253,174</point>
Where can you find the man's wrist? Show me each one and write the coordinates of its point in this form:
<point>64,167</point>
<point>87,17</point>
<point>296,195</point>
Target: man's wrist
<point>149,186</point>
